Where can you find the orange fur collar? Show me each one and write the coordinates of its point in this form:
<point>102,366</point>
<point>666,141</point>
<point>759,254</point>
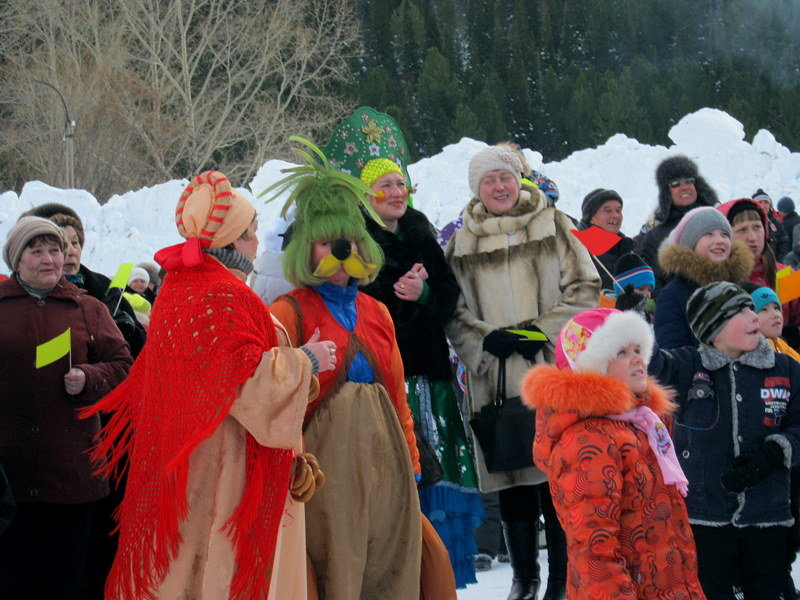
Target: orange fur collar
<point>588,393</point>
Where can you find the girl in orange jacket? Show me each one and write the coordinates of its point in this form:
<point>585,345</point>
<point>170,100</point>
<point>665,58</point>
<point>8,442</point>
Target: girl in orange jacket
<point>616,483</point>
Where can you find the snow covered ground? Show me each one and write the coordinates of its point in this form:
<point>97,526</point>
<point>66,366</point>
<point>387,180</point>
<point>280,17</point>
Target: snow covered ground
<point>495,583</point>
<point>132,226</point>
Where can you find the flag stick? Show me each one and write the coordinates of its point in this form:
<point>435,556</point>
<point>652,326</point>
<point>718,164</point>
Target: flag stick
<point>602,266</point>
<point>119,300</point>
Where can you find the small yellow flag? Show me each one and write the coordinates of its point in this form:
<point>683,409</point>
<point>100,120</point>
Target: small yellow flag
<point>51,351</point>
<point>139,303</point>
<point>783,272</point>
<point>121,278</point>
<point>531,335</point>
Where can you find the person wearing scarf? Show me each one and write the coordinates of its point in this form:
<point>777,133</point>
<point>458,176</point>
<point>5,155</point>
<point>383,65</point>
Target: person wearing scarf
<point>613,473</point>
<point>96,285</point>
<point>366,536</point>
<point>43,443</point>
<point>210,419</point>
<point>420,292</point>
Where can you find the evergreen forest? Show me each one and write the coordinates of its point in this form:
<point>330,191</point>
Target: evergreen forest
<point>561,75</point>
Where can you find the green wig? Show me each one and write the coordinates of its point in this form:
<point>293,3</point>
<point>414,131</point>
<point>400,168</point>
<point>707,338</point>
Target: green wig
<point>328,207</point>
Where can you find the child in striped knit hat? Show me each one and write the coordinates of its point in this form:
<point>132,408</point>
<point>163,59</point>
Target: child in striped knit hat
<point>737,434</point>
<point>634,276</point>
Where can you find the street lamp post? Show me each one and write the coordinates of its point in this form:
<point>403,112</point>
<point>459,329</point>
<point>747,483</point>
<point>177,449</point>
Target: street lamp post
<point>69,137</point>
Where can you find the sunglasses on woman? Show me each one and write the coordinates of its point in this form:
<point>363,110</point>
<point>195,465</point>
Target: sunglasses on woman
<point>678,182</point>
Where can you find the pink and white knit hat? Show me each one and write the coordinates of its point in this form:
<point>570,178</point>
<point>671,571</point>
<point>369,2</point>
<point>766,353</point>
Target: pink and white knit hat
<point>590,340</point>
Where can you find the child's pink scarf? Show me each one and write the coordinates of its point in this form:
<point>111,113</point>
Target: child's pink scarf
<point>644,419</point>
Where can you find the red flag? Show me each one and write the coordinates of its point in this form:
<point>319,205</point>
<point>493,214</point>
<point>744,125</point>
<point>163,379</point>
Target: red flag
<point>596,239</point>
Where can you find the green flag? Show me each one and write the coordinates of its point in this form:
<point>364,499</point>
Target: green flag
<point>51,351</point>
<point>531,335</point>
<point>121,278</point>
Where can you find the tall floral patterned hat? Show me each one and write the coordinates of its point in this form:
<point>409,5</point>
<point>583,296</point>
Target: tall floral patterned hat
<point>371,139</point>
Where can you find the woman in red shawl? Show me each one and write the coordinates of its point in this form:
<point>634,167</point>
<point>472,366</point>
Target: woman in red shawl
<point>210,418</point>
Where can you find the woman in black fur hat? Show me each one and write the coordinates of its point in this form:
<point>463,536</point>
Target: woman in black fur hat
<point>680,189</point>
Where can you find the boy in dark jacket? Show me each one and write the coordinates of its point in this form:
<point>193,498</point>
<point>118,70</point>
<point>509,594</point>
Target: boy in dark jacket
<point>737,433</point>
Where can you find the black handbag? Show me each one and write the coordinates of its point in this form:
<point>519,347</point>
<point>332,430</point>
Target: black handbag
<point>505,430</point>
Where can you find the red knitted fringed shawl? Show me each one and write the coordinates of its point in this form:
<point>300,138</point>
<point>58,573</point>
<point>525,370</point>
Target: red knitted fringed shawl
<point>207,335</point>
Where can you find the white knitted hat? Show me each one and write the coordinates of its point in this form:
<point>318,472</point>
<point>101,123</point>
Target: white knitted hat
<point>139,273</point>
<point>493,158</point>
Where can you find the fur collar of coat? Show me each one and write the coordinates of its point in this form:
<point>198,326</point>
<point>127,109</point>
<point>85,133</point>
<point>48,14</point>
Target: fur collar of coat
<point>589,393</point>
<point>481,222</point>
<point>684,261</point>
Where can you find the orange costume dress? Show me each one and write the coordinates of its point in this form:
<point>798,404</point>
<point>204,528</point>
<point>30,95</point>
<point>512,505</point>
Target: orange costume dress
<point>363,528</point>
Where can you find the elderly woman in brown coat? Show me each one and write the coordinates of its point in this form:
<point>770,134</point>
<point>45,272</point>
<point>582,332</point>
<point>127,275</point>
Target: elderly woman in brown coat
<point>43,443</point>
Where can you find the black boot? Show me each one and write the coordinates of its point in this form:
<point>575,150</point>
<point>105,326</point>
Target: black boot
<point>522,541</point>
<point>556,560</point>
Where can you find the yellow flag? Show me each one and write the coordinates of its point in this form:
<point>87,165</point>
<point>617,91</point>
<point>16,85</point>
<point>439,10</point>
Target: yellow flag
<point>531,335</point>
<point>121,278</point>
<point>783,272</point>
<point>139,303</point>
<point>51,351</point>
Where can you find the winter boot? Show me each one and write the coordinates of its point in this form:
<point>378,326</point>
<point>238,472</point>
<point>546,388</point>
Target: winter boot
<point>522,541</point>
<point>556,561</point>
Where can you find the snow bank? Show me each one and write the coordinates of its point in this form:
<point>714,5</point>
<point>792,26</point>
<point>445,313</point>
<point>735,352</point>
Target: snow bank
<point>132,226</point>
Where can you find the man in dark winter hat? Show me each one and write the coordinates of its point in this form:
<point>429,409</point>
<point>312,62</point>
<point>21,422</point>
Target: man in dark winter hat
<point>779,239</point>
<point>791,219</point>
<point>680,189</point>
<point>603,208</point>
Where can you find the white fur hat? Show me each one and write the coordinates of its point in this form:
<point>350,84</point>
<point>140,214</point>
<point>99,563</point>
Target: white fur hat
<point>590,340</point>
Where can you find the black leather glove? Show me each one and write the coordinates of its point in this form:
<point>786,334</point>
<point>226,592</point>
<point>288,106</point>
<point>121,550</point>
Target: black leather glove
<point>500,343</point>
<point>630,299</point>
<point>527,348</point>
<point>125,323</point>
<point>752,467</point>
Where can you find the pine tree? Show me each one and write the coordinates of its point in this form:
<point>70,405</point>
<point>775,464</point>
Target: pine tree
<point>438,95</point>
<point>465,124</point>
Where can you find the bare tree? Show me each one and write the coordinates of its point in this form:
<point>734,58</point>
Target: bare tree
<point>164,89</point>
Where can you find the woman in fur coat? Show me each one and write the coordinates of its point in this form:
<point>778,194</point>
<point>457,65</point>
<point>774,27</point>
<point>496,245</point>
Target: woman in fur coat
<point>614,476</point>
<point>518,268</point>
<point>700,250</point>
